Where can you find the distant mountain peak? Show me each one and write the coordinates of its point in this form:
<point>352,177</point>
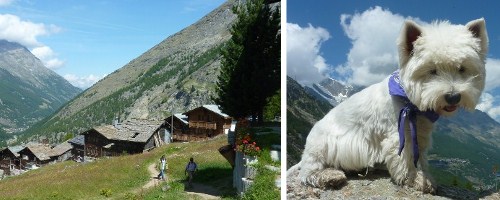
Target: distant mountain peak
<point>29,91</point>
<point>332,91</point>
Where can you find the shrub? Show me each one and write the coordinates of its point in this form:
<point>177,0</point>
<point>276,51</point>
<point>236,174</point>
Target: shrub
<point>106,192</point>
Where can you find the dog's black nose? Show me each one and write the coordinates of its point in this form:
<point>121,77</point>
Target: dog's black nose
<point>452,98</point>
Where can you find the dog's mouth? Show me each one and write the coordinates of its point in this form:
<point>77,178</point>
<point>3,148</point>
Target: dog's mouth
<point>450,108</point>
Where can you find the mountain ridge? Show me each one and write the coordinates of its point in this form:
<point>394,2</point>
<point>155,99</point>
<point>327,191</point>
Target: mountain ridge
<point>176,75</point>
<point>28,90</point>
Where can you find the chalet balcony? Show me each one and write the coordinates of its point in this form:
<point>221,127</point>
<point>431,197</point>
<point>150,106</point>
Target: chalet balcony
<point>203,125</point>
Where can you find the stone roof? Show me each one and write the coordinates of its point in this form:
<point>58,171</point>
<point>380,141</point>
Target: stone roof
<point>61,149</point>
<point>182,118</point>
<point>14,149</point>
<point>41,151</point>
<point>78,140</point>
<point>215,109</point>
<point>134,131</point>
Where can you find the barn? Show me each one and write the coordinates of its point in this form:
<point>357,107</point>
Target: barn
<point>9,158</point>
<point>130,137</point>
<point>35,154</point>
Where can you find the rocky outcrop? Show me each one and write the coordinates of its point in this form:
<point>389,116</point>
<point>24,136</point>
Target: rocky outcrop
<point>376,184</point>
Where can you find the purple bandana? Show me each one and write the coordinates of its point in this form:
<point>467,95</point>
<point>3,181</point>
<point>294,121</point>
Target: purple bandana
<point>409,110</point>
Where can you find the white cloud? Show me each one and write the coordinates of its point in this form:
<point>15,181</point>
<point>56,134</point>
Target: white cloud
<point>83,82</point>
<point>6,2</point>
<point>304,62</point>
<point>13,29</point>
<point>489,101</point>
<point>373,55</point>
<point>492,74</point>
<point>489,105</point>
<point>48,57</point>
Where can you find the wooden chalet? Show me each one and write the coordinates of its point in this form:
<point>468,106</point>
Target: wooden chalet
<point>180,127</point>
<point>207,121</point>
<point>9,159</point>
<point>113,140</point>
<point>78,150</point>
<point>34,153</point>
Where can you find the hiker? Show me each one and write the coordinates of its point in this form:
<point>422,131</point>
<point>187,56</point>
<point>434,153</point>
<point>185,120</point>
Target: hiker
<point>191,167</point>
<point>163,163</point>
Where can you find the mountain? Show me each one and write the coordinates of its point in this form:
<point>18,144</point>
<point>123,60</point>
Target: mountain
<point>303,111</point>
<point>29,91</point>
<point>332,91</point>
<point>465,146</point>
<point>176,75</point>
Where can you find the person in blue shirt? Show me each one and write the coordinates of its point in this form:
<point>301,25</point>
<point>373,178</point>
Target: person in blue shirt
<point>191,168</point>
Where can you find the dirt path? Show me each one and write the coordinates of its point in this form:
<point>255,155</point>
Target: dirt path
<point>154,180</point>
<point>204,191</point>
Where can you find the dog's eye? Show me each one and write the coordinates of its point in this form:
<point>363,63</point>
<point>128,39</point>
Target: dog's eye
<point>462,69</point>
<point>433,72</point>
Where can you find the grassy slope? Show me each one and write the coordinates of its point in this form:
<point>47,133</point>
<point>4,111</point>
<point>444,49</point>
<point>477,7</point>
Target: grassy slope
<point>120,175</point>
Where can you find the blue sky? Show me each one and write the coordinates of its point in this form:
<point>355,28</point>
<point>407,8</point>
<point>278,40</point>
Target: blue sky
<point>355,41</point>
<point>85,40</point>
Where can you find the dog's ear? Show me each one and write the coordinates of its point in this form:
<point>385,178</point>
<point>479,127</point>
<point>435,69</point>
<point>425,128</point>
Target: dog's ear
<point>410,32</point>
<point>478,29</point>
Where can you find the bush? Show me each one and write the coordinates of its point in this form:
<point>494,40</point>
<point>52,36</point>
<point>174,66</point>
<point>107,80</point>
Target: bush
<point>106,192</point>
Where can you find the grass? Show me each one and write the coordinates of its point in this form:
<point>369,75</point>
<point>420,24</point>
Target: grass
<point>119,177</point>
<point>264,183</point>
<point>70,180</point>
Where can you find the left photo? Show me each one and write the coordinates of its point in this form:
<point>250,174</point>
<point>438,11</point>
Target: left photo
<point>156,100</point>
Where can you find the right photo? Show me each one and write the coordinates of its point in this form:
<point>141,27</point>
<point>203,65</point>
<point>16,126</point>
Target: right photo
<point>393,100</point>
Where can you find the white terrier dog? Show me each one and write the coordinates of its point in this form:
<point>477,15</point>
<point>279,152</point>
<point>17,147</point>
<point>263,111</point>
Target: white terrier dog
<point>442,68</point>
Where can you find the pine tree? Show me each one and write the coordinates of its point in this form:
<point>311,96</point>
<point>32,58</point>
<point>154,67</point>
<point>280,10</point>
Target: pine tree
<point>250,71</point>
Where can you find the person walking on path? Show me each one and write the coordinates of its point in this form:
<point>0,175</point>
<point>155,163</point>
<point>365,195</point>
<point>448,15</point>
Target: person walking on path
<point>191,168</point>
<point>163,164</point>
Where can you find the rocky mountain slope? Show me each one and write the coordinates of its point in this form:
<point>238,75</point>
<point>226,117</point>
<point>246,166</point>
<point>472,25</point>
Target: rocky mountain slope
<point>303,111</point>
<point>29,91</point>
<point>465,147</point>
<point>176,75</point>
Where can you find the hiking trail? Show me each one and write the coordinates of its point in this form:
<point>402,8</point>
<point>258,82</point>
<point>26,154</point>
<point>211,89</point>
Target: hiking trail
<point>203,191</point>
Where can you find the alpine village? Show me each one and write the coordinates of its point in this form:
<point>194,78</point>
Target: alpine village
<point>210,92</point>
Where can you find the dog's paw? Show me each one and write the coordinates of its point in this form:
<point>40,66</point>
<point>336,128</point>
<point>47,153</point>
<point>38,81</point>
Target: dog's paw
<point>326,178</point>
<point>425,183</point>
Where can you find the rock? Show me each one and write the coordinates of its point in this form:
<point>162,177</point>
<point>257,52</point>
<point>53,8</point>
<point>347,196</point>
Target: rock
<point>376,185</point>
<point>275,155</point>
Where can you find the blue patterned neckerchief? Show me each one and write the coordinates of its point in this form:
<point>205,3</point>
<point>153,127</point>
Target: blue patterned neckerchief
<point>409,110</point>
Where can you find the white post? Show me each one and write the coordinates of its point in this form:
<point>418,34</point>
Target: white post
<point>172,127</point>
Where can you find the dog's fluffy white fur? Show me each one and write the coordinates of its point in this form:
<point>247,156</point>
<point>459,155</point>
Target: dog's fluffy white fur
<point>435,60</point>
